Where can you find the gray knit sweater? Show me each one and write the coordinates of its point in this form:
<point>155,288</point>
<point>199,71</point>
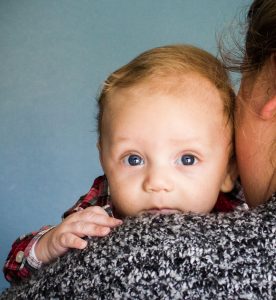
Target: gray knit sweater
<point>181,256</point>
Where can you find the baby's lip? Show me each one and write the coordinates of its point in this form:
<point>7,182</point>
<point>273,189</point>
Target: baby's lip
<point>162,211</point>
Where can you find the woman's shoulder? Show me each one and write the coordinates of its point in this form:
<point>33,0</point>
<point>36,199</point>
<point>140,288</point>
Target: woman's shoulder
<point>180,256</point>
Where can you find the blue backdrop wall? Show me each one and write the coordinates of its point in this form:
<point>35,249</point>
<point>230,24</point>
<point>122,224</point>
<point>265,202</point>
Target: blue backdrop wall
<point>54,56</point>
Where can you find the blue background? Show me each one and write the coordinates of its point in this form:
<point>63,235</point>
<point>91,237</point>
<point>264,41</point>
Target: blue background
<point>54,55</point>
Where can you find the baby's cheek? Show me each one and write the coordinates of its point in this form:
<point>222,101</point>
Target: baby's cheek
<point>123,203</point>
<point>205,199</point>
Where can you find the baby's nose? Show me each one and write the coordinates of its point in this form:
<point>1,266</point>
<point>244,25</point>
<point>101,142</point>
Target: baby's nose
<point>157,180</point>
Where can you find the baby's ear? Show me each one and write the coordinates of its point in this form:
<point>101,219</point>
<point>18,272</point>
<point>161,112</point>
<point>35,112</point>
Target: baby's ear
<point>230,177</point>
<point>99,146</point>
<point>100,152</point>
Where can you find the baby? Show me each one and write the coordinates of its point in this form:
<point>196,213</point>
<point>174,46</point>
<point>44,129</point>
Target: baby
<point>165,127</point>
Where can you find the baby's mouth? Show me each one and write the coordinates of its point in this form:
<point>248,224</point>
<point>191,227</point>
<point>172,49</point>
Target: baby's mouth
<point>162,211</point>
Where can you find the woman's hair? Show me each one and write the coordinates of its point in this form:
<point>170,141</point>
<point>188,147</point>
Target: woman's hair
<point>165,62</point>
<point>260,39</point>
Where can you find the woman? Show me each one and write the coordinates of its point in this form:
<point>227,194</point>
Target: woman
<point>255,119</point>
<point>256,105</point>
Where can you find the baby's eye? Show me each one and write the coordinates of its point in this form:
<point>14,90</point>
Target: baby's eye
<point>187,160</point>
<point>133,160</point>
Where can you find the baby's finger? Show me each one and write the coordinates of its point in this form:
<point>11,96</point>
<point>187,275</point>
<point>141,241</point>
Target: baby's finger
<point>86,214</point>
<point>103,220</point>
<point>91,216</point>
<point>70,240</point>
<point>82,229</point>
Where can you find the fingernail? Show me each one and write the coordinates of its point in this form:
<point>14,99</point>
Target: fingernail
<point>83,244</point>
<point>105,230</point>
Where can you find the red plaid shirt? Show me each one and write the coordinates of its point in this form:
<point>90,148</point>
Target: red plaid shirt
<point>18,267</point>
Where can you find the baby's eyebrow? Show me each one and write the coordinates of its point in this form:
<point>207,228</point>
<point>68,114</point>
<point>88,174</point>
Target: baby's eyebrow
<point>197,139</point>
<point>120,139</point>
<point>190,142</point>
<point>182,139</point>
<point>187,140</point>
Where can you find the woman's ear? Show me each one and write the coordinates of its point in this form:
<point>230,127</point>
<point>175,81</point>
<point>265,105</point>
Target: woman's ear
<point>268,110</point>
<point>230,177</point>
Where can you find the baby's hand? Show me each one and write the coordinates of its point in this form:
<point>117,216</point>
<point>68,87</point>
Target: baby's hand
<point>92,221</point>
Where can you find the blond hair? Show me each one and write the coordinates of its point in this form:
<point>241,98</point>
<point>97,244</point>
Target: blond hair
<point>165,61</point>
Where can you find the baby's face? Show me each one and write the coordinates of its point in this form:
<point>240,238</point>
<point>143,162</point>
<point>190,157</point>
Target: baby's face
<point>165,147</point>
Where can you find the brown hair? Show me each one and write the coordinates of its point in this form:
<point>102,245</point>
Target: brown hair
<point>260,39</point>
<point>166,61</point>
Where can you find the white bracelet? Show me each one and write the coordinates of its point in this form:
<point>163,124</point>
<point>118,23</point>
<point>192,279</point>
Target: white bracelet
<point>32,259</point>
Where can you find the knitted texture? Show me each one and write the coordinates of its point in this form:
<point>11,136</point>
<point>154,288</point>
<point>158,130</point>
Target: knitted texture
<point>180,256</point>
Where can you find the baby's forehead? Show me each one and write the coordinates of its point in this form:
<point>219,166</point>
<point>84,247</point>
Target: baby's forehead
<point>194,92</point>
<point>176,84</point>
<point>170,83</point>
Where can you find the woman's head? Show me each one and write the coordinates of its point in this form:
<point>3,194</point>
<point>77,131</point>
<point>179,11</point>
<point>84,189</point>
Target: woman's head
<point>256,104</point>
<point>260,40</point>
